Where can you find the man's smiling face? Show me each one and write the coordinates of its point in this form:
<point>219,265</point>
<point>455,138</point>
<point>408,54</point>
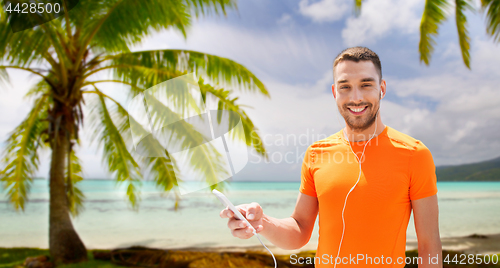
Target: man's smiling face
<point>358,89</point>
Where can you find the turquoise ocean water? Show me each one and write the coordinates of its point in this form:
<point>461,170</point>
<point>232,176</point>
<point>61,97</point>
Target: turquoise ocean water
<point>108,222</point>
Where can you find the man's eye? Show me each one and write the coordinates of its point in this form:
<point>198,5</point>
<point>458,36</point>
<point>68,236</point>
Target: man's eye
<point>366,85</point>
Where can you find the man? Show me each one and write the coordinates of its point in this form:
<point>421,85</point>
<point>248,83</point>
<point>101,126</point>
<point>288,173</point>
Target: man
<point>364,181</point>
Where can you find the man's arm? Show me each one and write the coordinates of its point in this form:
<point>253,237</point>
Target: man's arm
<point>426,213</point>
<point>289,233</point>
<point>293,232</point>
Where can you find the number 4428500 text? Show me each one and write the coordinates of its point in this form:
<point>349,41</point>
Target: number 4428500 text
<point>34,8</point>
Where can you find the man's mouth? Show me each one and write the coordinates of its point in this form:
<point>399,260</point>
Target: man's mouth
<point>357,110</point>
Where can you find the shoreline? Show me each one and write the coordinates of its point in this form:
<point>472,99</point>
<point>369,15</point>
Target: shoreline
<point>471,244</point>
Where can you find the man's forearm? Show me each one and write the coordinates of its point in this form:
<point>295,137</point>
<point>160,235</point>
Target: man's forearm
<point>431,255</point>
<point>284,233</point>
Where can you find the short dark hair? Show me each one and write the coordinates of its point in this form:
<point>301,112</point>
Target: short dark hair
<point>357,54</point>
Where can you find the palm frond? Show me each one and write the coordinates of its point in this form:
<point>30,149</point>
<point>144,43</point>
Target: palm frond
<point>206,160</point>
<point>117,24</point>
<point>74,174</point>
<point>148,68</point>
<point>25,47</point>
<point>182,135</point>
<point>202,7</point>
<point>463,34</point>
<point>116,155</point>
<point>35,71</point>
<point>163,170</point>
<point>41,88</point>
<point>492,10</point>
<point>251,136</point>
<point>4,76</point>
<point>434,14</point>
<point>357,7</point>
<point>21,154</point>
<point>114,25</point>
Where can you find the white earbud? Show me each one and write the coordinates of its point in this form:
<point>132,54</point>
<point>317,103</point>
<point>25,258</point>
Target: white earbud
<point>381,94</point>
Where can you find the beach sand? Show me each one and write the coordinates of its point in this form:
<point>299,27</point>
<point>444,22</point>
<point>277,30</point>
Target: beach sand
<point>472,244</point>
<point>256,256</point>
<point>476,244</point>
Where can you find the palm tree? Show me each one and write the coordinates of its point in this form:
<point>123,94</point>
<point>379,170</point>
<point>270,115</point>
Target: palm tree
<point>67,54</point>
<point>436,12</point>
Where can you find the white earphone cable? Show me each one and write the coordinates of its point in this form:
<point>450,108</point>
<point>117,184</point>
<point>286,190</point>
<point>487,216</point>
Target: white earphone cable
<point>352,188</point>
<point>359,176</point>
<point>258,237</point>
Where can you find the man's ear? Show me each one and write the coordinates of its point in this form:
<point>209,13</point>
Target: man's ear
<point>333,91</point>
<point>383,87</point>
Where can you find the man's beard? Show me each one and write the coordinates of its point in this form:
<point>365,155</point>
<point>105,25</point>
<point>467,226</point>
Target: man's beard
<point>363,123</point>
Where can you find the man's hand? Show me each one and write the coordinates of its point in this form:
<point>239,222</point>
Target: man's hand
<point>252,212</point>
<point>288,233</point>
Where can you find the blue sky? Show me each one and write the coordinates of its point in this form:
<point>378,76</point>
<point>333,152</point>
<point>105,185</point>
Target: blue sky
<point>290,46</point>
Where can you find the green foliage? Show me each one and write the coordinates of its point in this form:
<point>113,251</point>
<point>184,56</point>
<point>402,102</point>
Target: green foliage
<point>463,34</point>
<point>357,7</point>
<point>21,154</point>
<point>482,171</point>
<point>95,37</point>
<point>74,174</point>
<point>203,7</point>
<point>117,24</point>
<point>252,138</point>
<point>15,50</point>
<point>11,257</point>
<point>492,10</point>
<point>485,175</point>
<point>163,169</point>
<point>203,156</point>
<point>117,157</point>
<point>434,15</point>
<point>15,257</point>
<point>148,68</point>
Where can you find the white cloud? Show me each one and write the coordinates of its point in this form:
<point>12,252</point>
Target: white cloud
<point>324,10</point>
<point>272,50</point>
<point>465,124</point>
<point>416,116</point>
<point>462,132</point>
<point>13,106</point>
<point>293,108</point>
<point>285,19</point>
<point>380,17</point>
<point>452,50</point>
<point>485,57</point>
<point>458,130</point>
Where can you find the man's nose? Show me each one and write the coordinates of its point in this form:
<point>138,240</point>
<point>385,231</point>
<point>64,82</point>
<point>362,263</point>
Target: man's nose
<point>356,95</point>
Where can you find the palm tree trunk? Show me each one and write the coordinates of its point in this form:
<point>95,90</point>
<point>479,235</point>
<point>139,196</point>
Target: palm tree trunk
<point>65,244</point>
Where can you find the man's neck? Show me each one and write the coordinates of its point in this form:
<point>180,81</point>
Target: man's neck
<point>355,136</point>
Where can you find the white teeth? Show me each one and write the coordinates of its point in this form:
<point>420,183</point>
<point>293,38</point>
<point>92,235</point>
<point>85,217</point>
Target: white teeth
<point>357,110</point>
